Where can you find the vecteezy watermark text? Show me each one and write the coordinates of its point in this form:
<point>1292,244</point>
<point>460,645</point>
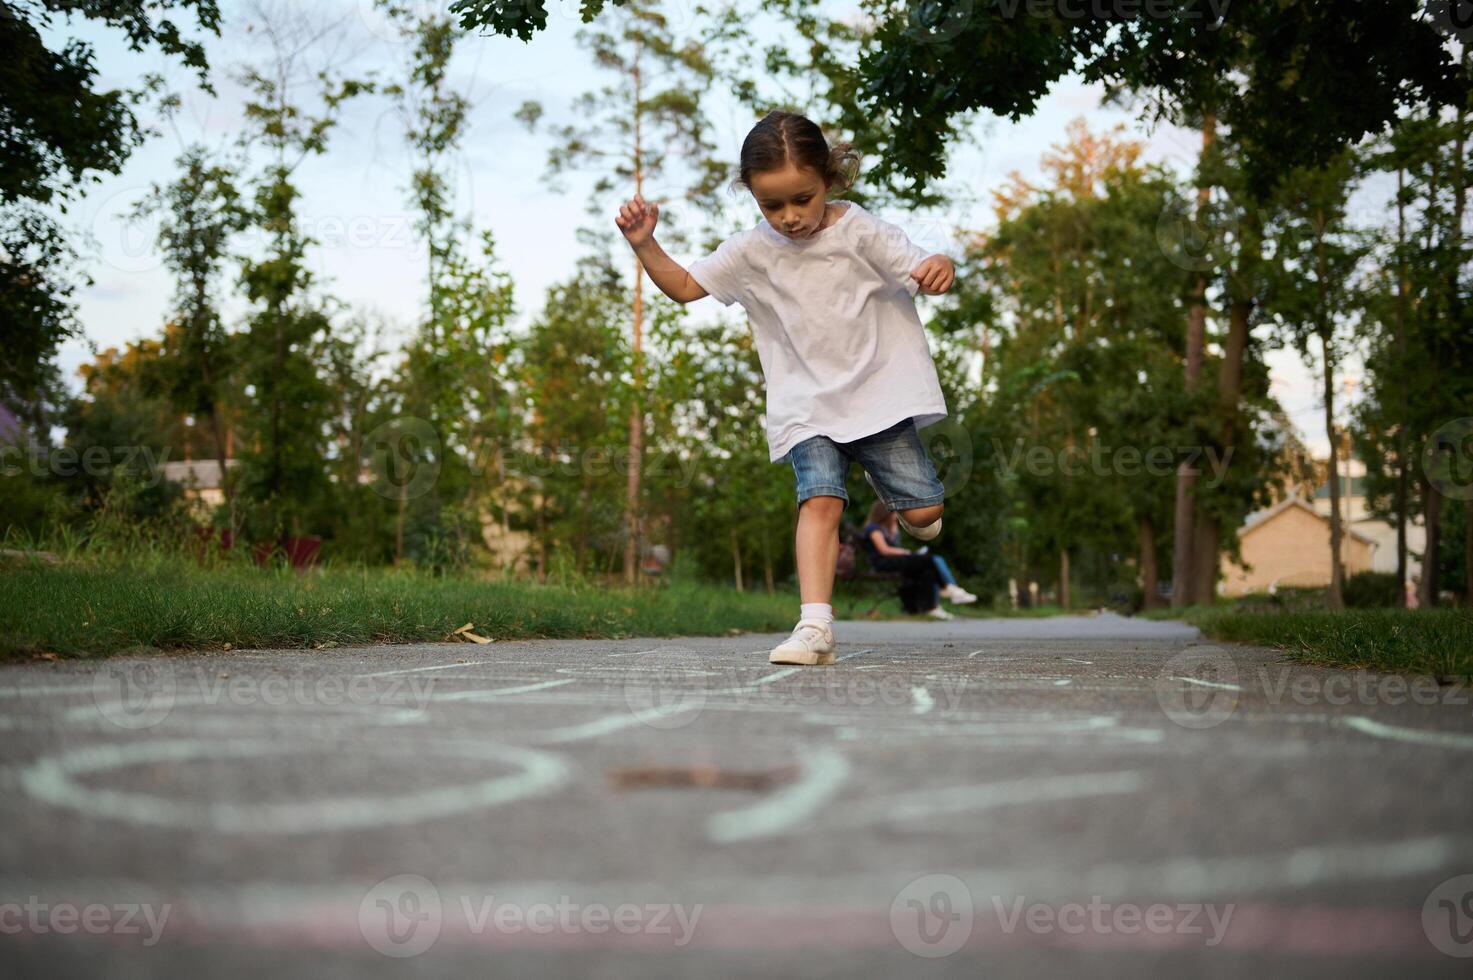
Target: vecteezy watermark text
<point>35,917</point>
<point>1202,687</point>
<point>1099,459</point>
<point>141,694</point>
<point>1099,917</point>
<point>405,915</point>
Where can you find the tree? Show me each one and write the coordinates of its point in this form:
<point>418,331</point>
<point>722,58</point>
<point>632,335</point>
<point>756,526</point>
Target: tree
<point>456,372</point>
<point>434,117</point>
<point>123,429</point>
<point>1419,366</point>
<point>1316,258</point>
<point>201,210</point>
<point>282,472</point>
<point>1340,73</point>
<point>1087,362</point>
<point>651,116</point>
<point>58,129</point>
<point>573,359</point>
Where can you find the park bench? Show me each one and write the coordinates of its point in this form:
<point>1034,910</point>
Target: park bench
<point>854,570</point>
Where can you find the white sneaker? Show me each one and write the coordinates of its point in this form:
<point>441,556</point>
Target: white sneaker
<point>924,533</point>
<point>811,645</point>
<point>958,595</point>
<point>939,613</point>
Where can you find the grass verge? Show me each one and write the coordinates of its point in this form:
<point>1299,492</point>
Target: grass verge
<point>1438,642</point>
<point>82,612</point>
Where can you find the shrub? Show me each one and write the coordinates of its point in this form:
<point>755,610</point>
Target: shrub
<point>1371,590</point>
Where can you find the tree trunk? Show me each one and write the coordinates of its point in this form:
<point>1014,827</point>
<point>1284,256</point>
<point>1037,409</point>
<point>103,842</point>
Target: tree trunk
<point>736,560</point>
<point>1064,579</point>
<point>636,415</point>
<point>1336,598</point>
<point>636,445</point>
<point>1151,600</point>
<point>1208,541</point>
<point>1337,571</point>
<point>1402,425</point>
<point>542,549</point>
<point>1468,554</point>
<point>1432,505</point>
<point>1182,565</point>
<point>399,524</point>
<point>767,562</point>
<point>585,510</point>
<point>1206,545</point>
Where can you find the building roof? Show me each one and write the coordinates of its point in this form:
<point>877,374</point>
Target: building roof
<point>1259,518</point>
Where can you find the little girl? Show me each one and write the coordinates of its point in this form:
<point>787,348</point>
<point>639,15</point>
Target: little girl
<point>829,289</point>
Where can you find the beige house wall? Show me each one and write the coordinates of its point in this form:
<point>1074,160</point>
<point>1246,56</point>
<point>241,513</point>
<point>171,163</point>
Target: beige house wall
<point>1292,548</point>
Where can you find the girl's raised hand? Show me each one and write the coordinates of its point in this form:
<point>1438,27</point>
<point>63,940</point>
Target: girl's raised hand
<point>637,220</point>
<point>935,274</point>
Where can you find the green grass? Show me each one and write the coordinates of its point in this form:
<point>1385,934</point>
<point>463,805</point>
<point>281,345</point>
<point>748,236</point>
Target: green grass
<point>88,609</point>
<point>1438,642</point>
<point>79,611</point>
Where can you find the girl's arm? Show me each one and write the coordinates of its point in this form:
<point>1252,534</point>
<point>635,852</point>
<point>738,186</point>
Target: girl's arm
<point>637,221</point>
<point>668,274</point>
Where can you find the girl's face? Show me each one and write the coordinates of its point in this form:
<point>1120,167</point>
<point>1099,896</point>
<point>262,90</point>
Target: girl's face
<point>792,200</point>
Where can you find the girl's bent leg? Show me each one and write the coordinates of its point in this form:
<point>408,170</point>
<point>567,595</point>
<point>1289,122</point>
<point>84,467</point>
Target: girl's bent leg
<point>818,546</point>
<point>946,577</point>
<point>923,516</point>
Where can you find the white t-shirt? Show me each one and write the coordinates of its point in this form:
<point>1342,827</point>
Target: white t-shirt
<point>835,323</point>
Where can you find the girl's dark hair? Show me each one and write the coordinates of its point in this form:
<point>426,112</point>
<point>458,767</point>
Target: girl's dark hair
<point>878,513</point>
<point>782,137</point>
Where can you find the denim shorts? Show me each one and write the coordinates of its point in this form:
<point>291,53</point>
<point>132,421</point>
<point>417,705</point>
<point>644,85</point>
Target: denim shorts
<point>894,458</point>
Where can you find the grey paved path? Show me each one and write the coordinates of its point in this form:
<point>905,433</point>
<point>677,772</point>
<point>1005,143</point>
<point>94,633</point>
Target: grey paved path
<point>1034,798</point>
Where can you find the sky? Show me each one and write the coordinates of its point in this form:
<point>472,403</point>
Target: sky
<point>353,197</point>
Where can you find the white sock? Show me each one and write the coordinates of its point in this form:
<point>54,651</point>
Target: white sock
<point>816,610</point>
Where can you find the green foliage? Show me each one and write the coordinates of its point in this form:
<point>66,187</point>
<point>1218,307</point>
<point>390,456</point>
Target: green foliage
<point>282,480</point>
<point>521,18</point>
<point>911,86</point>
<point>1084,382</point>
<point>57,130</point>
<point>1370,590</point>
<point>1417,327</point>
<point>1353,69</point>
<point>573,367</point>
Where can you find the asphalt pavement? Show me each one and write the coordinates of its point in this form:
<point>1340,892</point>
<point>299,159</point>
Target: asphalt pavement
<point>1011,797</point>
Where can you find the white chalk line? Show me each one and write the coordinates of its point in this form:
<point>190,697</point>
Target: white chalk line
<point>500,692</point>
<point>420,670</point>
<point>1201,683</point>
<point>824,771</point>
<point>606,725</point>
<point>46,690</point>
<point>922,804</point>
<point>1418,736</point>
<point>778,675</point>
<point>53,780</point>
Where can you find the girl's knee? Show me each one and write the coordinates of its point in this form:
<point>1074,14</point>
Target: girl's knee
<point>823,506</point>
<point>921,516</point>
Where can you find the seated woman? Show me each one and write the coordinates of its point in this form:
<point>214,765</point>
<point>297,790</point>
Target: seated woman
<point>927,579</point>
